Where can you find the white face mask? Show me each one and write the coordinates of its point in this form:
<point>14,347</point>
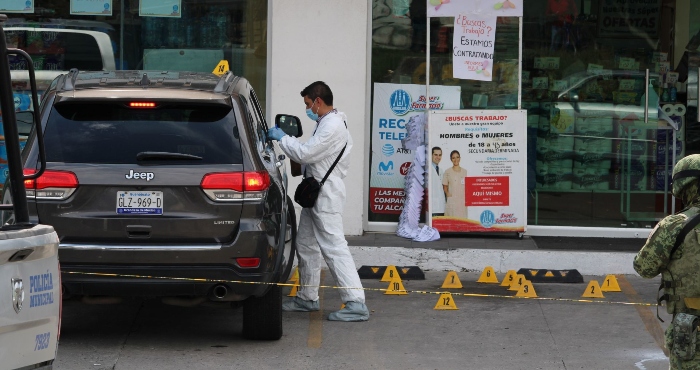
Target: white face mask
<point>311,114</point>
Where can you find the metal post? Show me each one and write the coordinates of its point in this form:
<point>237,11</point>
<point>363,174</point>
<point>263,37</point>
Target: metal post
<point>121,36</point>
<point>646,96</point>
<point>429,214</point>
<point>9,122</point>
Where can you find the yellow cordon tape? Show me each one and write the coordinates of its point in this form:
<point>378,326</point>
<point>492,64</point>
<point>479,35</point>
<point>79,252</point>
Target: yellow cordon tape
<point>367,289</point>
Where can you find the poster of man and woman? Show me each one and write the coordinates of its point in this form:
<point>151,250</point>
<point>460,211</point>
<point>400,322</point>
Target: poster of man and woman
<point>477,171</point>
<point>475,164</point>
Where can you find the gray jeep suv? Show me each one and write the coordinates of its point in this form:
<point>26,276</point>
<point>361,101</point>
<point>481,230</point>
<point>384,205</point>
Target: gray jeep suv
<point>167,176</point>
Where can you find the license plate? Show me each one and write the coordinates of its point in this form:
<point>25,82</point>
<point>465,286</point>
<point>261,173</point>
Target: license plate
<point>140,202</point>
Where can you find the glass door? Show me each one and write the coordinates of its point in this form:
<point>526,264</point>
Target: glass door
<point>602,104</point>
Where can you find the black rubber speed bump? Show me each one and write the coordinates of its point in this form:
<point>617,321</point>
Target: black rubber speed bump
<point>405,272</point>
<point>552,276</point>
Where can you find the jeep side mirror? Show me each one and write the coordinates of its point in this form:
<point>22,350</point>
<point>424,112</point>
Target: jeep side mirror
<point>291,125</point>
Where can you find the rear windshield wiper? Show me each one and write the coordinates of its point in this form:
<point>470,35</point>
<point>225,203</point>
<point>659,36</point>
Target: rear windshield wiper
<point>145,156</point>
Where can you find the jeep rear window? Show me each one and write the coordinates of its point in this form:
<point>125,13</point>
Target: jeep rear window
<point>115,133</point>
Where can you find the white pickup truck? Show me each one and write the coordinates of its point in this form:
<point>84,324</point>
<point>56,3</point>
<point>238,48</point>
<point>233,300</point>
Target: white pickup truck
<point>30,281</point>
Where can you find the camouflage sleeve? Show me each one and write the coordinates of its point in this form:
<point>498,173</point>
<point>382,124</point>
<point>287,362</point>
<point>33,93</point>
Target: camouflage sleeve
<point>654,255</point>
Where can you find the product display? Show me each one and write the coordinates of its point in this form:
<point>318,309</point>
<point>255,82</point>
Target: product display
<point>46,49</point>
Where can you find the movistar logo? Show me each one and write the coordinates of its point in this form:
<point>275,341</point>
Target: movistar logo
<point>388,166</point>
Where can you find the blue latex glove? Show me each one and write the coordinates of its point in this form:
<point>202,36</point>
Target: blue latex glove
<point>275,133</point>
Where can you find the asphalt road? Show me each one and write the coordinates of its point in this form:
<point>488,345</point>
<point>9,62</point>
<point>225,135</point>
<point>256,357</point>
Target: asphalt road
<point>404,332</point>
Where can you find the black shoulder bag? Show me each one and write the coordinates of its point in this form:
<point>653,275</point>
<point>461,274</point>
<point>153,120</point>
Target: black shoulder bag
<point>307,191</point>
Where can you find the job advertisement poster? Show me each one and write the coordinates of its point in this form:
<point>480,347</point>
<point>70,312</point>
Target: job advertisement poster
<point>16,6</point>
<point>472,47</point>
<point>482,170</point>
<point>394,105</point>
<point>91,7</point>
<point>160,8</point>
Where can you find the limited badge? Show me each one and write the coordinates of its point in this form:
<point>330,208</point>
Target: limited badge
<point>17,293</point>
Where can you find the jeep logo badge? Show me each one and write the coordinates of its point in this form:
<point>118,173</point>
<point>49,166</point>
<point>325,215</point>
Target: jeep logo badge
<point>17,293</point>
<point>148,176</point>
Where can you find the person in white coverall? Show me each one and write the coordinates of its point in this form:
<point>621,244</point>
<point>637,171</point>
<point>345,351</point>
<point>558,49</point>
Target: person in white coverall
<point>321,227</point>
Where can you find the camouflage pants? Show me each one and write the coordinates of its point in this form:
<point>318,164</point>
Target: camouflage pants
<point>675,362</point>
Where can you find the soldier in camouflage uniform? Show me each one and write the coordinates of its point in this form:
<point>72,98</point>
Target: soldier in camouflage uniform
<point>679,268</point>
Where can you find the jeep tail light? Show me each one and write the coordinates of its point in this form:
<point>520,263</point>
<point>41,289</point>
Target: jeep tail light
<point>235,186</point>
<point>51,185</point>
<point>248,262</point>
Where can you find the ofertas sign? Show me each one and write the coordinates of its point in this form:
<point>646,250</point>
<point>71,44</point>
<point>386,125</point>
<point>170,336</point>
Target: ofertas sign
<point>482,172</point>
<point>618,17</point>
<point>394,105</point>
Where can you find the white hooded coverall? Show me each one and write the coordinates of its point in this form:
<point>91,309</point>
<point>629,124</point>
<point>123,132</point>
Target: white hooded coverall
<point>321,227</point>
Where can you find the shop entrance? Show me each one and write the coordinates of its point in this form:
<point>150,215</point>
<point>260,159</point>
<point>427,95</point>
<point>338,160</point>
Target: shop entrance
<point>604,84</point>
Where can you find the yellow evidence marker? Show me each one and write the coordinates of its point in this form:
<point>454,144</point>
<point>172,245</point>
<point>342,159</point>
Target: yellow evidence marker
<point>295,276</point>
<point>295,289</point>
<point>508,279</point>
<point>390,274</point>
<point>445,302</point>
<point>451,281</point>
<point>488,276</point>
<point>221,68</point>
<point>593,290</point>
<point>518,281</point>
<point>526,290</point>
<point>396,287</point>
<point>610,284</point>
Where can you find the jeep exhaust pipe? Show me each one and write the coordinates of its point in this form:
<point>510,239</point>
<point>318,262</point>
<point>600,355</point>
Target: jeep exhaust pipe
<point>220,291</point>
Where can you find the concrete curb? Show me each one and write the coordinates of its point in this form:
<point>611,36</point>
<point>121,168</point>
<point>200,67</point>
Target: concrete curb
<point>587,263</point>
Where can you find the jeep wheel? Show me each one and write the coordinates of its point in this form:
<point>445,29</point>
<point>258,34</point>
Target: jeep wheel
<point>291,252</point>
<point>262,317</point>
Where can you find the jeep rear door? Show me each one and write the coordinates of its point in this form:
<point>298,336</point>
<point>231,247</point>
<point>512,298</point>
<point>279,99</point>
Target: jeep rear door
<point>144,172</point>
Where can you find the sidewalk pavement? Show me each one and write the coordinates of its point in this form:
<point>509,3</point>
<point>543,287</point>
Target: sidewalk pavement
<point>590,256</point>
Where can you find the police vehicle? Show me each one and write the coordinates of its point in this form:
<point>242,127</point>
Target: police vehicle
<point>30,284</point>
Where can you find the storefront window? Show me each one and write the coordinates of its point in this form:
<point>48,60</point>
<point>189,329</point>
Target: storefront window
<point>192,35</point>
<point>399,57</point>
<point>593,160</point>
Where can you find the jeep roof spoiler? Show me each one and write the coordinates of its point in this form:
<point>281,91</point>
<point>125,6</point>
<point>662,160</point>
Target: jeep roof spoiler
<point>71,79</point>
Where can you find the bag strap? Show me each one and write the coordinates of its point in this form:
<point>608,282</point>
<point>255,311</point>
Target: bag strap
<point>690,225</point>
<point>333,166</point>
<point>336,160</point>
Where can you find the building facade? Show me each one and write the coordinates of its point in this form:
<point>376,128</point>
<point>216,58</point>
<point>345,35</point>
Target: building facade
<point>598,158</point>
